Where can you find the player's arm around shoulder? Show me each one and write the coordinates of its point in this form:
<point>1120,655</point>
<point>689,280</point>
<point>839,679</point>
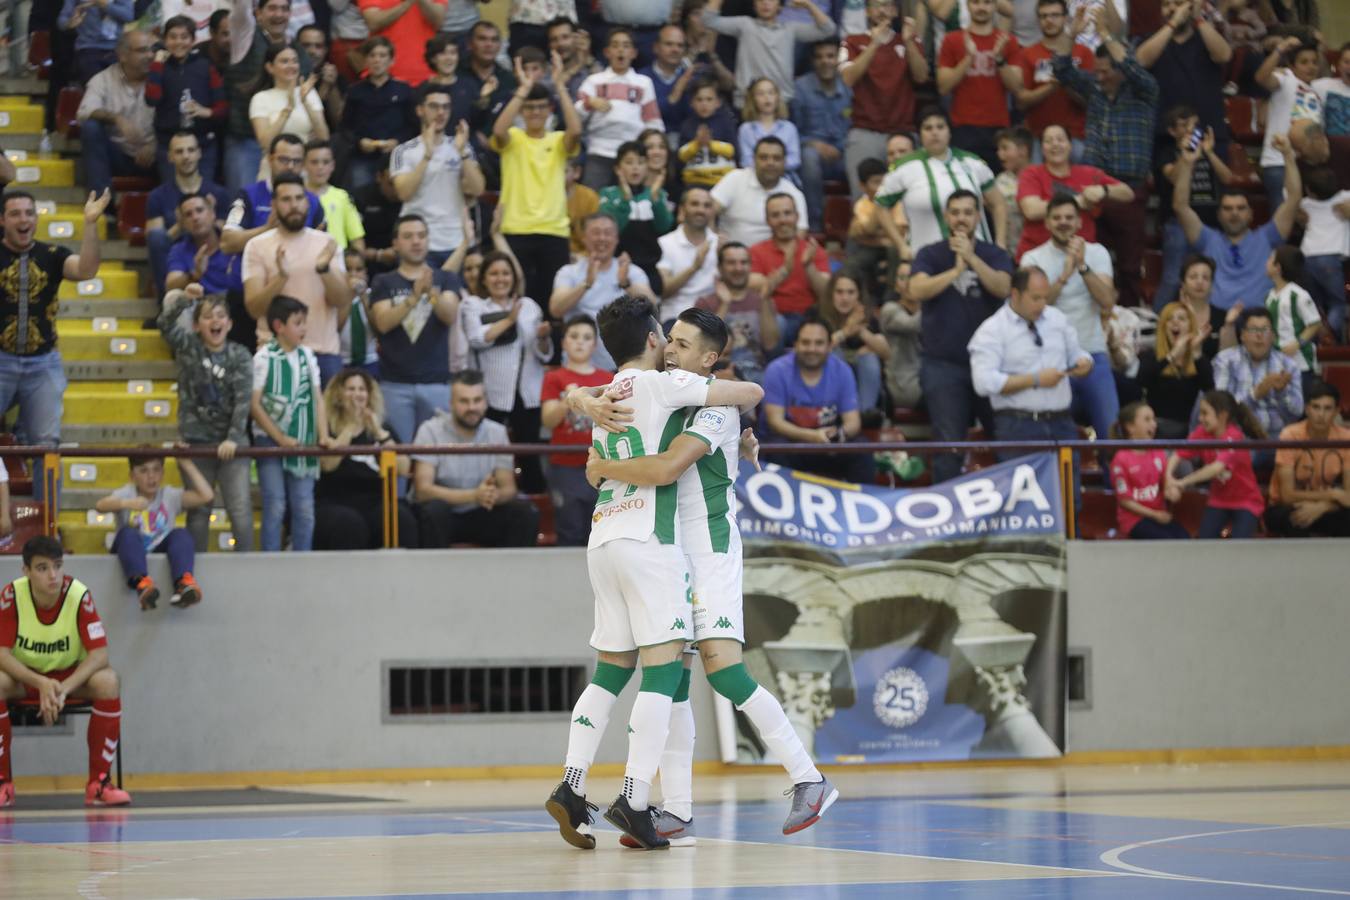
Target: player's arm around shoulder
<point>649,471</point>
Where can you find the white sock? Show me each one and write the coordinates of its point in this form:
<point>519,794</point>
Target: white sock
<point>677,763</point>
<point>648,727</point>
<point>766,714</point>
<point>589,718</point>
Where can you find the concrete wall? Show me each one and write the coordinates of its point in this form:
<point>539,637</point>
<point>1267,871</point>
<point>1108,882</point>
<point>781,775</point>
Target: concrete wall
<point>280,669</point>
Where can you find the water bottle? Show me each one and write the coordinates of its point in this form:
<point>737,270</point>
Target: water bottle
<point>185,109</point>
<point>45,142</point>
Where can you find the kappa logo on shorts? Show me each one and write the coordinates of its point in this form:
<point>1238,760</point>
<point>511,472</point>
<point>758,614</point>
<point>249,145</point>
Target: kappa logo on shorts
<point>582,720</point>
<point>722,622</point>
<point>678,625</point>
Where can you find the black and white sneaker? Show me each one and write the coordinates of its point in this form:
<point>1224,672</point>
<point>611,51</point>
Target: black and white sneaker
<point>573,815</point>
<point>639,825</point>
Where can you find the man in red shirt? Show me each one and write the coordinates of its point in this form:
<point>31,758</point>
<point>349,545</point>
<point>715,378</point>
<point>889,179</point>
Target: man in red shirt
<point>978,67</point>
<point>794,272</point>
<point>882,68</point>
<point>408,24</point>
<point>53,649</point>
<point>1044,99</point>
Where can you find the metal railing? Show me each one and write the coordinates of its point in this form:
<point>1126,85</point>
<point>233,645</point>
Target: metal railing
<point>50,468</point>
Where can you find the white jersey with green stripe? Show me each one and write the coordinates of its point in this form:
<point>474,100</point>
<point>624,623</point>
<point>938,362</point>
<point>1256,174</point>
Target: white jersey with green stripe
<point>923,183</point>
<point>707,488</point>
<point>660,402</point>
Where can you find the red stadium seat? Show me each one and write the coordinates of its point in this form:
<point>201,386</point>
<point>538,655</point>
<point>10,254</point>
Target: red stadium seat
<point>1248,179</point>
<point>27,517</point>
<point>1241,114</point>
<point>548,535</point>
<point>836,187</point>
<point>67,109</point>
<point>131,215</point>
<point>20,482</point>
<point>40,52</point>
<point>1097,519</point>
<point>122,184</point>
<point>838,215</point>
<point>1340,160</point>
<point>1339,375</point>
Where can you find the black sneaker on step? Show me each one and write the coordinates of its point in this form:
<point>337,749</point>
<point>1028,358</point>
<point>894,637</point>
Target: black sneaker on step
<point>573,815</point>
<point>639,825</point>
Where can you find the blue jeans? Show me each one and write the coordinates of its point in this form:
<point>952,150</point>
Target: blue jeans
<point>815,171</point>
<point>1212,522</point>
<point>361,171</point>
<point>1149,530</point>
<point>1273,178</point>
<point>1174,249</point>
<point>1094,396</point>
<point>329,365</point>
<point>157,245</point>
<point>131,553</point>
<point>952,406</point>
<point>407,406</point>
<point>282,490</point>
<point>576,502</point>
<point>38,383</point>
<point>1008,427</point>
<point>1325,279</point>
<point>243,157</point>
<point>867,371</point>
<point>788,326</point>
<point>102,158</point>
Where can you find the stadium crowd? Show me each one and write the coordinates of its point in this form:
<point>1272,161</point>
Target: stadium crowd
<point>387,221</point>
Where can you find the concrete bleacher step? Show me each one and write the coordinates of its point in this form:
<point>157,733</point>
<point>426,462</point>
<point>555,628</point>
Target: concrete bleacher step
<point>29,86</point>
<point>116,251</point>
<point>85,531</point>
<point>73,196</point>
<point>33,172</point>
<point>32,143</point>
<point>102,473</point>
<point>109,339</point>
<point>119,435</point>
<point>120,370</point>
<point>66,223</point>
<point>90,404</point>
<point>128,309</point>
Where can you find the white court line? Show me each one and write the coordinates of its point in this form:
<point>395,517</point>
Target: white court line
<point>1113,858</point>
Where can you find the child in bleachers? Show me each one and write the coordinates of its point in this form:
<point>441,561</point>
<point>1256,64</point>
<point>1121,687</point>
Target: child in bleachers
<point>288,412</point>
<point>873,235</point>
<point>1014,153</point>
<point>1326,242</point>
<point>145,510</point>
<point>1292,310</point>
<point>1139,478</point>
<point>356,340</point>
<point>615,106</point>
<point>766,114</point>
<point>1235,498</point>
<point>643,215</point>
<point>1293,105</point>
<point>707,138</point>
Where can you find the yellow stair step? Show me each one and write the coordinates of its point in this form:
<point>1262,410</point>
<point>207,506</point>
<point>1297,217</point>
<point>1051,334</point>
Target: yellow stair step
<point>21,119</point>
<point>111,280</point>
<point>89,408</point>
<point>66,223</point>
<point>105,473</point>
<point>135,387</point>
<point>80,339</point>
<point>95,539</point>
<point>36,173</point>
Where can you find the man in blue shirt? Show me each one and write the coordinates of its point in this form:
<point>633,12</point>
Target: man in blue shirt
<point>251,213</point>
<point>811,397</point>
<point>672,76</point>
<point>97,27</point>
<point>960,282</point>
<point>1239,253</point>
<point>161,213</point>
<point>820,110</point>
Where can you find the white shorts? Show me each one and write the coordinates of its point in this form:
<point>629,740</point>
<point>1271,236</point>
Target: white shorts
<point>718,609</point>
<point>642,594</point>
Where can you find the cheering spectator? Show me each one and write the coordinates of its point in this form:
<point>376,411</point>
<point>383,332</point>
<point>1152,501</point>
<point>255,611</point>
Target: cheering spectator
<point>792,270</point>
<point>1197,282</point>
<point>162,228</point>
<point>765,115</point>
<point>1235,499</point>
<point>1014,155</point>
<point>741,197</point>
<point>1139,478</point>
<point>378,114</point>
<point>1258,376</point>
<point>469,498</point>
<point>488,83</point>
<point>1209,175</point>
<point>413,309</point>
<point>960,282</point>
<point>615,105</point>
<point>1310,491</point>
<point>285,105</point>
<point>144,511</point>
<point>882,69</point>
<point>810,397</point>
<point>765,46</point>
<point>820,109</point>
<point>672,76</point>
<point>707,149</point>
<point>688,264</point>
<point>1334,92</point>
<point>442,55</point>
<point>215,385</point>
<point>855,337</point>
<point>1293,103</point>
<point>196,258</point>
<point>301,262</point>
<point>1082,290</point>
<point>898,146</point>
<point>875,235</point>
<point>344,222</point>
<point>1175,371</point>
<point>1088,186</point>
<point>574,498</point>
<point>251,213</point>
<point>978,67</point>
<point>660,166</point>
<point>1326,243</point>
<point>330,86</point>
<point>564,40</point>
<point>1121,109</point>
<point>534,189</point>
<point>901,321</point>
<point>642,213</point>
<point>288,411</point>
<point>593,281</point>
<point>187,94</point>
<point>379,207</point>
<point>1045,101</point>
<point>750,315</point>
<point>408,25</point>
<point>117,134</point>
<point>1187,56</point>
<point>924,180</point>
<point>356,339</point>
<point>97,26</point>
<point>350,34</point>
<point>703,49</point>
<point>1293,314</point>
<point>348,499</point>
<point>1239,253</point>
<point>436,177</point>
<point>216,47</point>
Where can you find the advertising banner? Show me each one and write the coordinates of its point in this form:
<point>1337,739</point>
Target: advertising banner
<point>906,625</point>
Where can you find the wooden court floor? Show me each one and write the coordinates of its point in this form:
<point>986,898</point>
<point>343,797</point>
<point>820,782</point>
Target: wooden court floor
<point>1234,830</point>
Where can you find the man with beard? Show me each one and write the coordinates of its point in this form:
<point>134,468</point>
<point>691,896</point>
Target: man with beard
<point>469,498</point>
<point>300,262</point>
<point>688,263</point>
<point>1083,290</point>
<point>740,196</point>
<point>1045,100</point>
<point>251,213</point>
<point>749,314</point>
<point>794,271</point>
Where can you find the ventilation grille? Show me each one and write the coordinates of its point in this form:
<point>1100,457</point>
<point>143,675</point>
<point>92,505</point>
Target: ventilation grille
<point>418,691</point>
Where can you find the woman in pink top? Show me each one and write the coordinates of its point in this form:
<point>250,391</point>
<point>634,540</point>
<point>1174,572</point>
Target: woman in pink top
<point>1138,477</point>
<point>1234,496</point>
<point>1037,184</point>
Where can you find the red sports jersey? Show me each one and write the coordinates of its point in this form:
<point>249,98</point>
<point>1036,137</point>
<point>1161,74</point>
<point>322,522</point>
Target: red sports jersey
<point>1036,181</point>
<point>90,625</point>
<point>1138,475</point>
<point>1237,489</point>
<point>1061,107</point>
<point>980,98</point>
<point>574,428</point>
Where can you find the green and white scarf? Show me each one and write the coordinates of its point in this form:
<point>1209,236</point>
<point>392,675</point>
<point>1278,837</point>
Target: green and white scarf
<point>290,403</point>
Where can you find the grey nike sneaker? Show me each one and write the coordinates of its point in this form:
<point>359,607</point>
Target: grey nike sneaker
<point>810,799</point>
<point>671,827</point>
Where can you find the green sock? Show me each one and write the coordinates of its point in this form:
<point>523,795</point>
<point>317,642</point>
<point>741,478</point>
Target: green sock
<point>682,692</point>
<point>734,683</point>
<point>664,680</point>
<point>611,677</point>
